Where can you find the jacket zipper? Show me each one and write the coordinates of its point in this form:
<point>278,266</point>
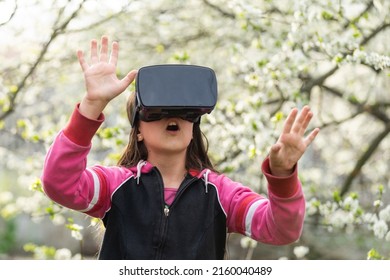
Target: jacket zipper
<point>166,210</point>
<point>180,192</point>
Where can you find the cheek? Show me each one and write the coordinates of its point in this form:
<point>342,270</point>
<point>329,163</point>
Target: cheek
<point>147,128</point>
<point>189,130</point>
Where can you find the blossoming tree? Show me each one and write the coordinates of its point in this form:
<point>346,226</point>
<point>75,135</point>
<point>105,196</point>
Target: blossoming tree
<point>268,56</point>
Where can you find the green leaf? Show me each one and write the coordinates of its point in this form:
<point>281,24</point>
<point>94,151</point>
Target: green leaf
<point>327,16</point>
<point>37,185</point>
<point>183,57</point>
<point>374,255</point>
<point>381,189</point>
<point>160,48</point>
<point>354,195</point>
<point>336,196</point>
<point>21,123</point>
<point>262,63</point>
<point>13,89</point>
<point>278,117</point>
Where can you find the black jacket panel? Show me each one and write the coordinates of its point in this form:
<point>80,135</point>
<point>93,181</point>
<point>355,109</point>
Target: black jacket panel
<point>139,227</point>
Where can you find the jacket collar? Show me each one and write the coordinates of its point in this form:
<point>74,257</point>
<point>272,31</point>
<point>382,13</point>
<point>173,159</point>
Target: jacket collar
<point>145,167</point>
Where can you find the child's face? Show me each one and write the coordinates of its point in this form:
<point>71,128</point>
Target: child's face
<point>168,135</point>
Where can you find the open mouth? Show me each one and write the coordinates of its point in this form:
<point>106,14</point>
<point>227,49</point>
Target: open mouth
<point>173,126</point>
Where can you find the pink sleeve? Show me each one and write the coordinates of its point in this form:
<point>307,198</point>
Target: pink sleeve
<point>276,220</point>
<point>66,178</point>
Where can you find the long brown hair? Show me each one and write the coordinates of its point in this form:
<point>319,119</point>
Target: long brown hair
<point>197,151</point>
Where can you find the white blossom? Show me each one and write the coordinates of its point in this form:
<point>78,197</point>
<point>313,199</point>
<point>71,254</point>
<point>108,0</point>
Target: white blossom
<point>40,254</point>
<point>63,254</point>
<point>6,197</point>
<point>328,208</point>
<point>377,203</point>
<point>379,62</point>
<point>387,237</point>
<point>301,251</point>
<point>384,214</point>
<point>9,210</point>
<point>351,204</point>
<point>380,229</point>
<point>77,235</point>
<point>247,242</point>
<point>369,218</point>
<point>340,218</point>
<point>58,220</point>
<point>312,207</point>
<point>77,257</point>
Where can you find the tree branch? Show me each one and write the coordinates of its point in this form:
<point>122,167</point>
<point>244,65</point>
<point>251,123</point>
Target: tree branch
<point>218,9</point>
<point>363,159</point>
<point>20,86</point>
<point>309,83</point>
<point>375,32</point>
<point>12,14</point>
<point>376,112</point>
<point>357,18</point>
<point>100,22</point>
<point>338,122</point>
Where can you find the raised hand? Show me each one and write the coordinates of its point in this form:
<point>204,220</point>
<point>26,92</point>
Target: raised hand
<point>102,83</point>
<point>292,143</point>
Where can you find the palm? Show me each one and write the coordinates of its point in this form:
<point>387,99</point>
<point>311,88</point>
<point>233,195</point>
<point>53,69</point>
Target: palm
<point>100,74</point>
<point>291,144</point>
<point>101,81</point>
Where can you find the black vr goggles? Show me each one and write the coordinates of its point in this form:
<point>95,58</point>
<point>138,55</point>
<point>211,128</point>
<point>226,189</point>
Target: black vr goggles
<point>173,90</point>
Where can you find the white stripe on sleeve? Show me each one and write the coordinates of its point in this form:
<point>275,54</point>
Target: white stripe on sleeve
<point>96,192</point>
<point>249,216</point>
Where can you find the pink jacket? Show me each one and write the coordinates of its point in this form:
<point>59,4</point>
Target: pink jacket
<point>276,219</point>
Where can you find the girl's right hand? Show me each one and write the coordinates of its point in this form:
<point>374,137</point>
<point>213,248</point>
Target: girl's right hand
<point>101,82</point>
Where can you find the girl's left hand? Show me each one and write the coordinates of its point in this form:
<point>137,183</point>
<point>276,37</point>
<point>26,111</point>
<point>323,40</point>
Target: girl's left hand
<point>292,143</point>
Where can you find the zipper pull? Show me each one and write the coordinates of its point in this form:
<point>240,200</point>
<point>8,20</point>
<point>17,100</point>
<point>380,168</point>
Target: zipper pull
<point>166,210</point>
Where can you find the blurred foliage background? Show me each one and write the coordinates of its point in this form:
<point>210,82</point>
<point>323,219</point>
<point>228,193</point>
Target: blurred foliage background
<point>269,56</point>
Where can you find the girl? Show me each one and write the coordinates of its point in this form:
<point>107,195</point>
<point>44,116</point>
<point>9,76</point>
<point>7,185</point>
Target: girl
<point>165,200</point>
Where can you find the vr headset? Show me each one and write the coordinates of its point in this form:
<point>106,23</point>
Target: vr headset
<point>174,90</point>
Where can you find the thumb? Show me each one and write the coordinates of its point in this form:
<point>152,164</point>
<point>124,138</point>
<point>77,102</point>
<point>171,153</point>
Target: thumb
<point>275,148</point>
<point>128,79</point>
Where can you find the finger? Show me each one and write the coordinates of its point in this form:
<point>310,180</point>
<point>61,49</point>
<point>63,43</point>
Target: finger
<point>290,120</point>
<point>104,49</point>
<point>94,55</point>
<point>296,128</point>
<point>306,122</point>
<point>80,55</point>
<point>309,139</point>
<point>114,53</point>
